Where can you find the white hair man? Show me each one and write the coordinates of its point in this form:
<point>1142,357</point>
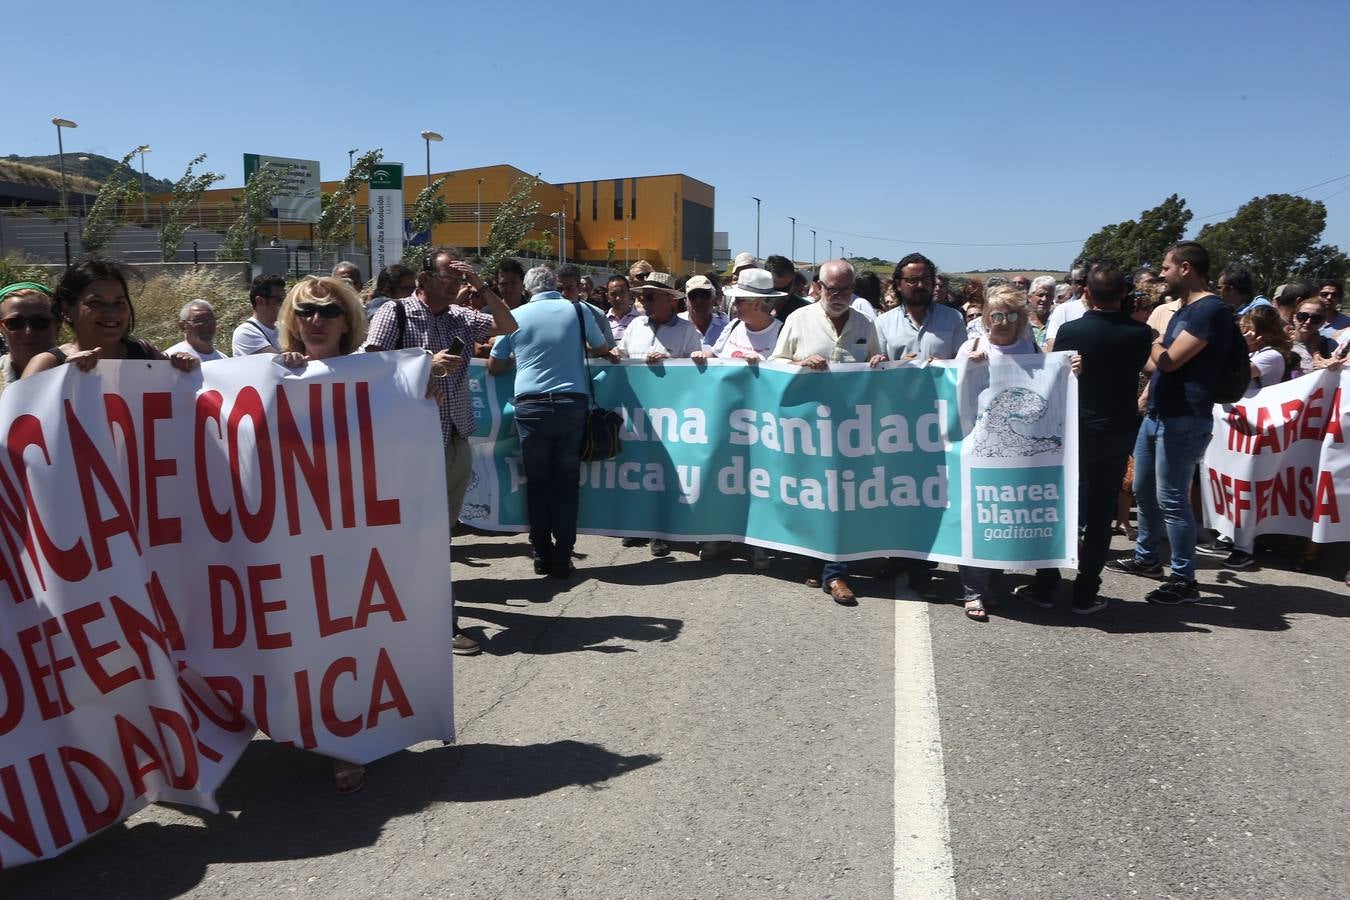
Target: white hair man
<point>351,272</point>
<point>830,331</point>
<point>197,321</point>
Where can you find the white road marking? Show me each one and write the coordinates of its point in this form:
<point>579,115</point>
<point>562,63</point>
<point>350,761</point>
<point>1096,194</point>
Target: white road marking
<point>923,851</point>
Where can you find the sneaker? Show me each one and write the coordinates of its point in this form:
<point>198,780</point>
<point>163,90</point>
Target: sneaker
<point>634,542</point>
<point>712,549</point>
<point>759,558</point>
<point>1132,565</point>
<point>660,548</point>
<point>1220,546</point>
<point>463,645</point>
<point>1239,560</point>
<point>1028,592</point>
<point>1086,606</point>
<point>1174,592</point>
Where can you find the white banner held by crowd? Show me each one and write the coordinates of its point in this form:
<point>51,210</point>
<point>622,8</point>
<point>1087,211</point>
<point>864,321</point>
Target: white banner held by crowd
<point>186,556</point>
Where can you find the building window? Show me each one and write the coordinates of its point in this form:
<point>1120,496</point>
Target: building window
<point>632,212</point>
<point>576,198</point>
<point>595,201</point>
<point>618,199</point>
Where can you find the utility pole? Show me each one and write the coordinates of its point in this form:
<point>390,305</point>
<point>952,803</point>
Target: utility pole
<point>757,201</point>
<point>831,243</point>
<point>793,219</point>
<point>813,248</point>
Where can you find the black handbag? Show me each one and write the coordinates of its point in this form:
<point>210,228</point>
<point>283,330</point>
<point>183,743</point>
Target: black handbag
<point>600,439</point>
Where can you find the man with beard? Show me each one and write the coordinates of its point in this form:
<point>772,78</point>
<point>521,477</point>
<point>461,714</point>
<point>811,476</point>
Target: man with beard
<point>814,336</point>
<point>919,329</point>
<point>1179,418</point>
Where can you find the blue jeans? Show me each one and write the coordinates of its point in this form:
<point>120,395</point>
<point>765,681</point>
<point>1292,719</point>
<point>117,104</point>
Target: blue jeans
<point>550,442</point>
<point>1165,456</point>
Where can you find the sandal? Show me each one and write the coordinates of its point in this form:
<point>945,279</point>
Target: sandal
<point>348,777</point>
<point>975,611</point>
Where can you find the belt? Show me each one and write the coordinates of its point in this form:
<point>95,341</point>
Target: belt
<point>551,398</point>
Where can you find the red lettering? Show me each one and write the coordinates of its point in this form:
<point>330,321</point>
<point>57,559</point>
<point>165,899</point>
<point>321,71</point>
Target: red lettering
<point>155,407</point>
<point>51,802</point>
<point>49,707</point>
<point>131,739</point>
<point>77,620</point>
<point>13,694</point>
<point>377,578</point>
<point>313,466</point>
<point>338,726</point>
<point>1305,492</point>
<point>221,639</point>
<point>386,679</point>
<point>265,639</point>
<point>1325,506</point>
<point>18,824</point>
<point>256,525</point>
<point>1239,431</point>
<point>1241,499</point>
<point>303,709</point>
<point>1333,426</point>
<point>378,512</point>
<point>93,817</point>
<point>118,414</point>
<point>344,450</point>
<point>1266,435</point>
<point>90,467</point>
<point>70,563</point>
<point>217,521</point>
<point>178,727</point>
<point>328,626</point>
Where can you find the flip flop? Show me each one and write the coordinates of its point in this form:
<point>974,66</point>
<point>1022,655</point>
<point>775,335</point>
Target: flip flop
<point>975,611</point>
<point>349,780</point>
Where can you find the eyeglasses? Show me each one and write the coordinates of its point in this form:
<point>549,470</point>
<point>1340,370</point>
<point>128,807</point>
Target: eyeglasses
<point>19,323</point>
<point>1314,318</point>
<point>999,318</point>
<point>322,310</point>
<point>838,289</point>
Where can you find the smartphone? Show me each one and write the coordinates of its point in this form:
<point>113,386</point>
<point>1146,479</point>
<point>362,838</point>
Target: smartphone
<point>456,346</point>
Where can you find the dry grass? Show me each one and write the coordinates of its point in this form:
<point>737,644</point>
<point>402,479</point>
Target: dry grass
<point>39,176</point>
<point>161,297</point>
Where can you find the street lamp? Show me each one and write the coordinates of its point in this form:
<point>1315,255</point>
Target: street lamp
<point>145,206</point>
<point>350,159</point>
<point>61,156</point>
<point>813,248</point>
<point>430,136</point>
<point>831,243</point>
<point>756,199</point>
<point>478,225</point>
<point>793,219</point>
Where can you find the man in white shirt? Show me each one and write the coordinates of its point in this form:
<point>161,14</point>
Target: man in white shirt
<point>197,321</point>
<point>659,334</point>
<point>1069,310</point>
<point>830,331</point>
<point>258,333</point>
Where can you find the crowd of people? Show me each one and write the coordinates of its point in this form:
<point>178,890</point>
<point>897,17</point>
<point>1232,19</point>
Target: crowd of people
<point>1147,348</point>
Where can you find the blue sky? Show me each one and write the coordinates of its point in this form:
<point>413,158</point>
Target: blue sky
<point>964,123</point>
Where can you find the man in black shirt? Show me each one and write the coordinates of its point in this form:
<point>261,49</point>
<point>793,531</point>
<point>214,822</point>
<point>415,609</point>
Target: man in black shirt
<point>783,272</point>
<point>1111,349</point>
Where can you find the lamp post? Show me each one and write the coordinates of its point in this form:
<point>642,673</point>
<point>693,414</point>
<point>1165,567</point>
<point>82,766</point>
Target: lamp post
<point>61,156</point>
<point>757,201</point>
<point>430,136</point>
<point>831,251</point>
<point>813,248</point>
<point>793,219</point>
<point>145,204</point>
<point>478,225</point>
<point>84,198</point>
<point>627,222</point>
<point>351,154</point>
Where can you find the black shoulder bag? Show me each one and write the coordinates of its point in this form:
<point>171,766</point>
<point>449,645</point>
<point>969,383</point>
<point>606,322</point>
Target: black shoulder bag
<point>600,439</point>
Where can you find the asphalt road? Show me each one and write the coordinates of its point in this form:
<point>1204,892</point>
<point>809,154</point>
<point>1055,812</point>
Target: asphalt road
<point>673,728</point>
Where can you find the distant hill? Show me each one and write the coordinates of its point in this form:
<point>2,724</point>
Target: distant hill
<point>96,168</point>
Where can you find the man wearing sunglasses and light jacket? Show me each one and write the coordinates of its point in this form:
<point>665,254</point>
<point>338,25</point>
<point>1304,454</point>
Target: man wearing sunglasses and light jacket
<point>28,325</point>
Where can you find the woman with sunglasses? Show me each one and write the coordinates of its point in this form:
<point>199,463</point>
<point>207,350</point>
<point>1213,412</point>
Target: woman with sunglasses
<point>28,325</point>
<point>320,318</point>
<point>1006,328</point>
<point>92,298</point>
<point>1310,347</point>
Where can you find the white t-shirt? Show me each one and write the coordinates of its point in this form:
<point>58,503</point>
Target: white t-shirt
<point>1063,314</point>
<point>251,337</point>
<point>715,328</point>
<point>862,305</point>
<point>1270,363</point>
<point>738,340</point>
<point>185,347</point>
<point>676,338</point>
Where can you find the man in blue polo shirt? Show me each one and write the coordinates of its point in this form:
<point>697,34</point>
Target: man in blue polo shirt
<point>551,403</point>
<point>1178,421</point>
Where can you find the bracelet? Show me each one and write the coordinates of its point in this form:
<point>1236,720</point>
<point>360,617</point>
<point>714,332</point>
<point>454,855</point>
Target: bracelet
<point>441,374</point>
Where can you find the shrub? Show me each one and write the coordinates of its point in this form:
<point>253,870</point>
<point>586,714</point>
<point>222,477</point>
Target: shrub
<point>160,298</point>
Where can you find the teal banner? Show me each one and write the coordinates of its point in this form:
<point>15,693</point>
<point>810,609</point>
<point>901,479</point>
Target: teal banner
<point>958,463</point>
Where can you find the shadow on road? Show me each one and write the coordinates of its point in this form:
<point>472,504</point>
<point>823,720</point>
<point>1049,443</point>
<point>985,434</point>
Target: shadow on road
<point>280,804</point>
<point>525,633</point>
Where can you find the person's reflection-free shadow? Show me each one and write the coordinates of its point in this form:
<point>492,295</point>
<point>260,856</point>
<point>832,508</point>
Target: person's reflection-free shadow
<point>280,804</point>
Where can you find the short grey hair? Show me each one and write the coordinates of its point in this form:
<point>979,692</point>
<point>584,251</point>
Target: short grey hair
<point>190,305</point>
<point>540,279</point>
<point>344,264</point>
<point>1062,290</point>
<point>1041,281</point>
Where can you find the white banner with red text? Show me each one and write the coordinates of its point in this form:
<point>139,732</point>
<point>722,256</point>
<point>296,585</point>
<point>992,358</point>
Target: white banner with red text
<point>184,557</point>
<point>1278,462</point>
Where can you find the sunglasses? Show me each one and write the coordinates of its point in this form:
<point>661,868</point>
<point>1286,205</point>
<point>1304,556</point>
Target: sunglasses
<point>1314,318</point>
<point>19,323</point>
<point>1000,318</point>
<point>322,310</point>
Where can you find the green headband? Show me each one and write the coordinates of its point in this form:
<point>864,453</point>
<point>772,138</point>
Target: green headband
<point>24,286</point>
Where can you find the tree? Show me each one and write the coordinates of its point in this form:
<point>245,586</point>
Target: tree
<point>336,225</point>
<point>1272,236</point>
<point>102,219</point>
<point>1323,261</point>
<point>1132,243</point>
<point>242,235</point>
<point>429,210</point>
<point>609,254</point>
<point>511,224</point>
<point>186,191</point>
